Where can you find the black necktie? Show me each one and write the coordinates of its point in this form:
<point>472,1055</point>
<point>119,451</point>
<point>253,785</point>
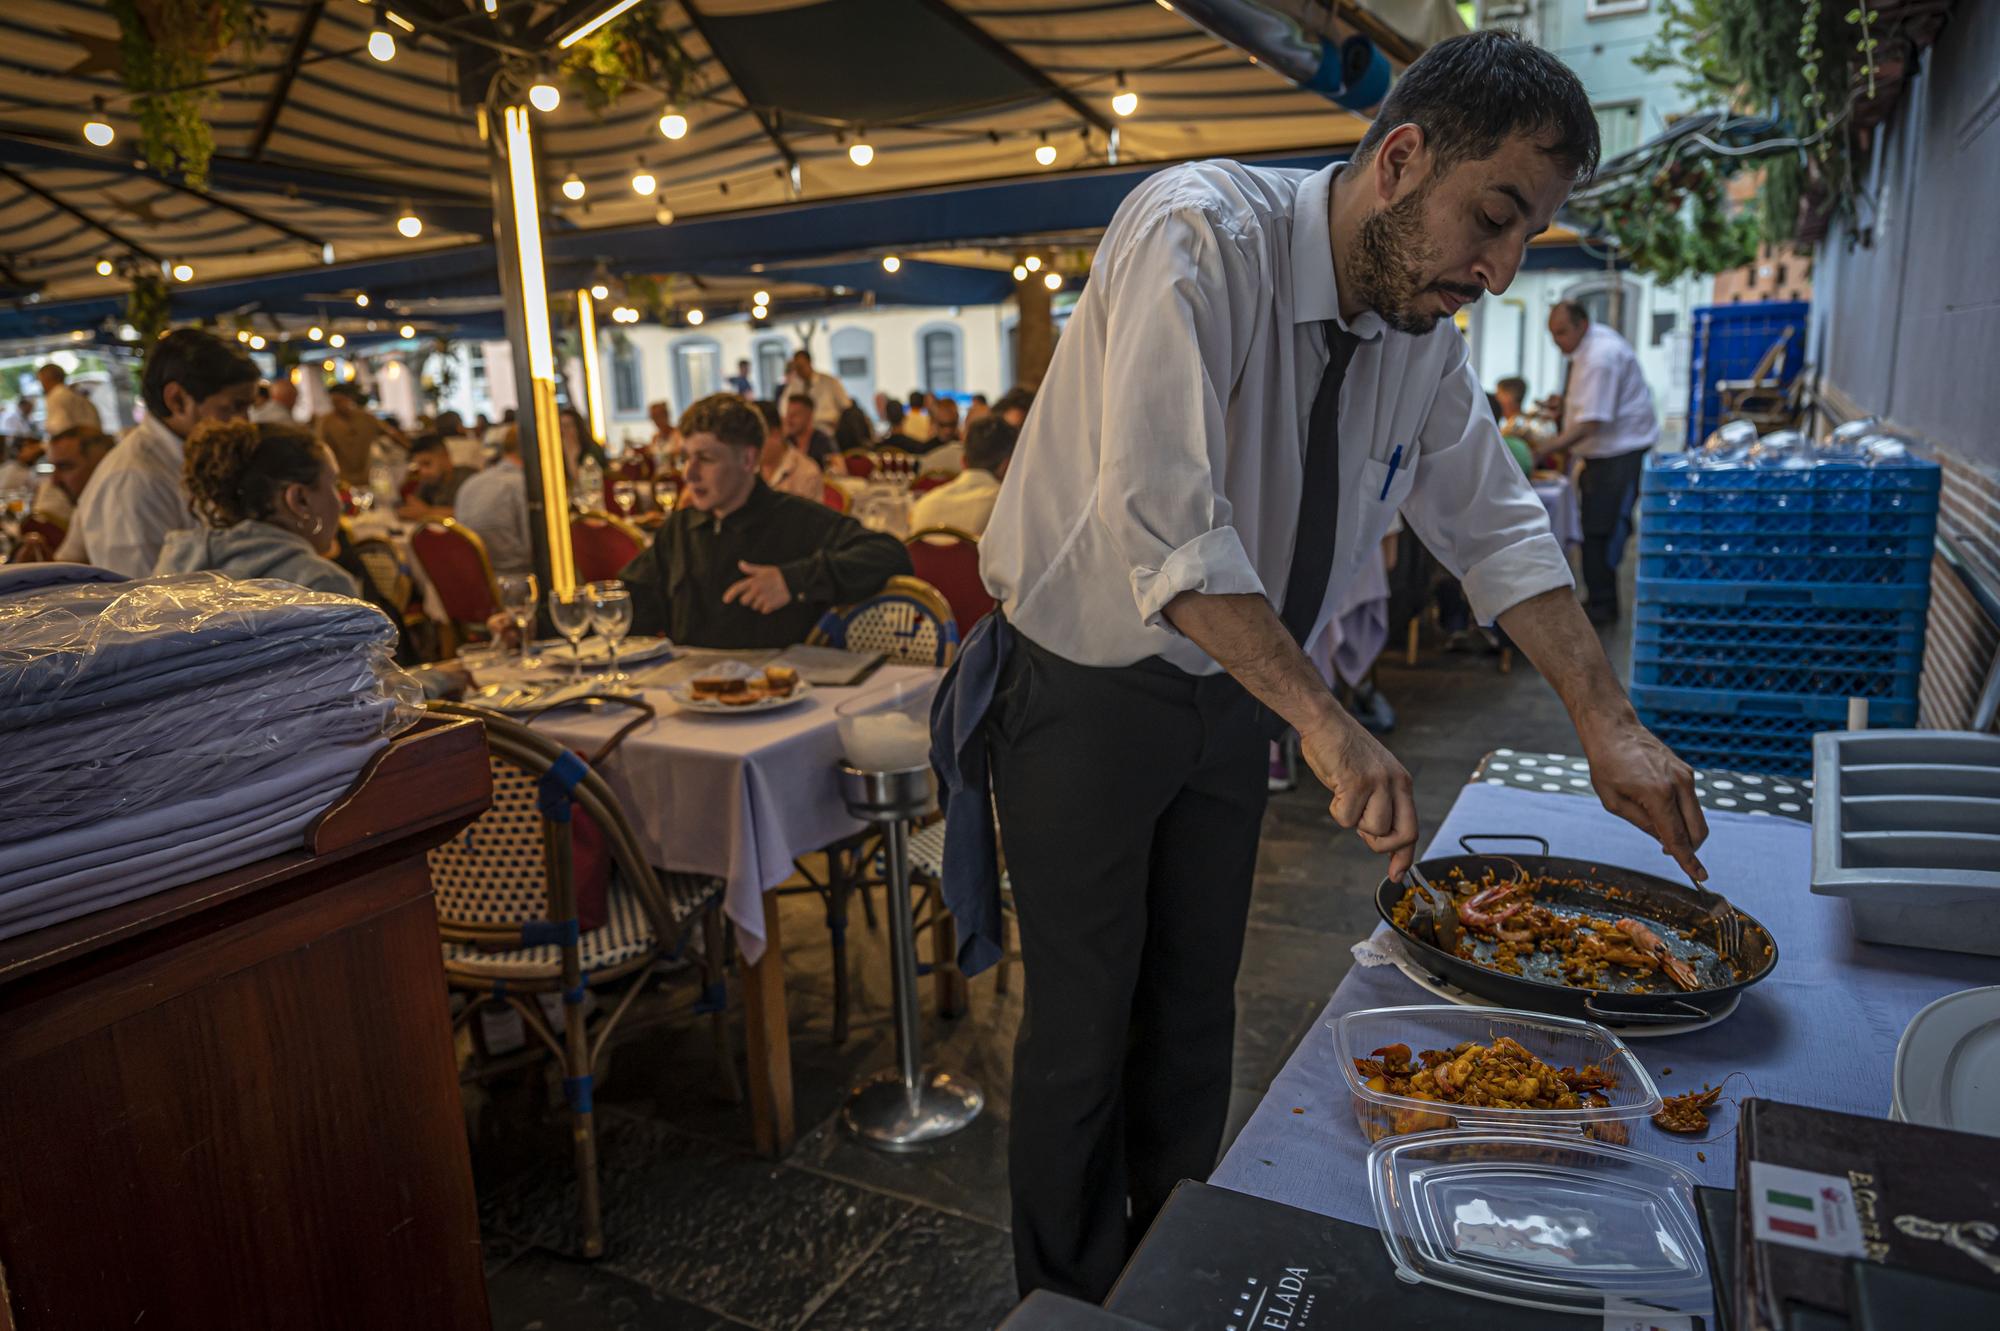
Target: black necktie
<point>1319,494</point>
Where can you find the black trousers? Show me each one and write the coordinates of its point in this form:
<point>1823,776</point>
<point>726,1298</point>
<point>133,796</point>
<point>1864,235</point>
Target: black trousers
<point>1130,802</point>
<point>1606,492</point>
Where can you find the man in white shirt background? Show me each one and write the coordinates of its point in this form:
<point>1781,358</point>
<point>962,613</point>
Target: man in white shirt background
<point>965,502</point>
<point>277,403</point>
<point>1260,374</point>
<point>137,496</point>
<point>829,399</point>
<point>787,469</point>
<point>73,456</point>
<point>494,504</point>
<point>63,407</point>
<point>1608,422</point>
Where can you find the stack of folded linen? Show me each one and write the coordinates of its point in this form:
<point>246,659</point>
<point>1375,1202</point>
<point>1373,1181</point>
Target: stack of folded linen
<point>157,731</point>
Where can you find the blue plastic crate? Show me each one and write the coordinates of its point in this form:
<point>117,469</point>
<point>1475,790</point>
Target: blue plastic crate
<point>1918,518</point>
<point>1752,732</point>
<point>1784,488</point>
<point>1664,557</point>
<point>1728,342</point>
<point>1774,602</point>
<point>1890,676</point>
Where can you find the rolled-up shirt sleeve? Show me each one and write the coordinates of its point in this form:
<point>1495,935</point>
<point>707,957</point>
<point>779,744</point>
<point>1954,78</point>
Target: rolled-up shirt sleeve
<point>1158,486</point>
<point>1473,508</point>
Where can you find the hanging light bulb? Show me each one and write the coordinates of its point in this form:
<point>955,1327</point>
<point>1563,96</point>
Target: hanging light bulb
<point>104,268</point>
<point>242,335</point>
<point>761,298</point>
<point>97,130</point>
<point>256,342</point>
<point>410,225</point>
<point>336,341</point>
<point>599,291</point>
<point>1033,263</point>
<point>1125,101</point>
<point>759,311</point>
<point>860,152</point>
<point>1020,272</point>
<point>890,263</point>
<point>1053,281</point>
<point>573,187</point>
<point>663,215</point>
<point>382,42</point>
<point>183,272</point>
<point>694,318</point>
<point>543,94</point>
<point>673,124</point>
<point>407,331</point>
<point>315,332</point>
<point>1045,155</point>
<point>643,182</point>
<point>361,299</point>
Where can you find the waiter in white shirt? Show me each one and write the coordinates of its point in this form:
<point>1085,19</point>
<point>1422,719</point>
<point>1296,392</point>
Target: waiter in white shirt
<point>829,398</point>
<point>1260,374</point>
<point>63,407</point>
<point>1609,422</point>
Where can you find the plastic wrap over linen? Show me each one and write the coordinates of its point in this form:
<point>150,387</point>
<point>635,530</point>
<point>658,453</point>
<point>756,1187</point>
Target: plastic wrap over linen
<point>167,728</point>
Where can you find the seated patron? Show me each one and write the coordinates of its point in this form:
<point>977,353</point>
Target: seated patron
<point>892,420</point>
<point>494,504</point>
<point>268,500</point>
<point>1013,406</point>
<point>743,565</point>
<point>917,420</point>
<point>944,420</point>
<point>785,469</point>
<point>966,502</point>
<point>73,456</point>
<point>800,430</point>
<point>437,478</point>
<point>276,402</point>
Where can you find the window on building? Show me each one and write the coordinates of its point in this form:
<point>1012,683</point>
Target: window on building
<point>1617,128</point>
<point>1612,8</point>
<point>769,356</point>
<point>853,352</point>
<point>938,357</point>
<point>1663,324</point>
<point>628,385</point>
<point>697,369</point>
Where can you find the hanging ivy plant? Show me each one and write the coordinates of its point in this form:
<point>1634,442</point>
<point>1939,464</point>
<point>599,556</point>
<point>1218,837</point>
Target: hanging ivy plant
<point>165,50</point>
<point>1674,220</point>
<point>635,50</point>
<point>651,295</point>
<point>147,306</point>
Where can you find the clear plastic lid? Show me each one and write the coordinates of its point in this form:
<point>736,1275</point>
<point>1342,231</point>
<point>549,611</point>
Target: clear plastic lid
<point>1567,1225</point>
<point>1560,1042</point>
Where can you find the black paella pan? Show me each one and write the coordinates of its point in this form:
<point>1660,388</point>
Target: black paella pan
<point>1581,887</point>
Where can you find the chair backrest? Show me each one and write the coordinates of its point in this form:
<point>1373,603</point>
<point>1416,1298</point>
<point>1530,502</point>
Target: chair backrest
<point>858,463</point>
<point>454,559</point>
<point>833,497</point>
<point>948,559</point>
<point>385,569</point>
<point>1773,357</point>
<point>634,466</point>
<point>31,549</point>
<point>930,481</point>
<point>52,533</point>
<point>908,621</point>
<point>496,872</point>
<point>603,545</point>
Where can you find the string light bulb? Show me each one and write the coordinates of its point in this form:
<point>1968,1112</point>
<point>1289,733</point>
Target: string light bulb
<point>1033,263</point>
<point>382,42</point>
<point>673,125</point>
<point>336,341</point>
<point>410,225</point>
<point>890,263</point>
<point>1124,101</point>
<point>256,342</point>
<point>183,272</point>
<point>361,299</point>
<point>861,152</point>
<point>1053,281</point>
<point>694,318</point>
<point>315,332</point>
<point>1045,154</point>
<point>97,130</point>
<point>599,291</point>
<point>761,298</point>
<point>1020,272</point>
<point>643,183</point>
<point>242,335</point>
<point>104,268</point>
<point>543,95</point>
<point>407,331</point>
<point>759,311</point>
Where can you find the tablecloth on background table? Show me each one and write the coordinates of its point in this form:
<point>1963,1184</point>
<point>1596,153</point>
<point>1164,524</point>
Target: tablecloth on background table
<point>739,797</point>
<point>1558,496</point>
<point>1821,1030</point>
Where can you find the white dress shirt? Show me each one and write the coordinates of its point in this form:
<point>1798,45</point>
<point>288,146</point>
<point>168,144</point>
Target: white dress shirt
<point>134,499</point>
<point>1606,385</point>
<point>798,475</point>
<point>964,502</point>
<point>269,412</point>
<point>52,503</point>
<point>494,503</point>
<point>829,398</point>
<point>67,408</point>
<point>1167,445</point>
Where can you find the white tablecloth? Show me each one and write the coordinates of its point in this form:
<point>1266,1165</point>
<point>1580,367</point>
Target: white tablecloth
<point>735,796</point>
<point>1558,496</point>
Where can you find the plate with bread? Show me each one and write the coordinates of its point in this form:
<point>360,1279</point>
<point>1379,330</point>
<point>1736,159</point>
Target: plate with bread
<point>725,691</point>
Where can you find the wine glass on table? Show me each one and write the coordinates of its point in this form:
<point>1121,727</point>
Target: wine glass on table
<point>569,611</point>
<point>519,595</point>
<point>625,497</point>
<point>611,615</point>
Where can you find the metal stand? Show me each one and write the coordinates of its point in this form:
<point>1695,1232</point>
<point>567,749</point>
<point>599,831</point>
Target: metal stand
<point>903,1108</point>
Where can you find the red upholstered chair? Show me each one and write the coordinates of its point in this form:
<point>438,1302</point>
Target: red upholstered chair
<point>31,549</point>
<point>859,464</point>
<point>454,561</point>
<point>52,533</point>
<point>603,545</point>
<point>925,484</point>
<point>833,497</point>
<point>948,559</point>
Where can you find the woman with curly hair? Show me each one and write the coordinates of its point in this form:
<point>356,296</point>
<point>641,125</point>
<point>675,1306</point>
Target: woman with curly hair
<point>267,494</point>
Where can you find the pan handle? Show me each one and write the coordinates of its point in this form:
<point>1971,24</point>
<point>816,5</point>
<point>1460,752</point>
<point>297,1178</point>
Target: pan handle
<point>1678,1011</point>
<point>1465,842</point>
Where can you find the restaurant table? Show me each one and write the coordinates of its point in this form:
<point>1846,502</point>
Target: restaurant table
<point>1558,496</point>
<point>1820,1030</point>
<point>739,797</point>
<point>380,525</point>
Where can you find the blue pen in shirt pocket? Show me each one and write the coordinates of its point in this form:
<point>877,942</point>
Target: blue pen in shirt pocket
<point>1395,461</point>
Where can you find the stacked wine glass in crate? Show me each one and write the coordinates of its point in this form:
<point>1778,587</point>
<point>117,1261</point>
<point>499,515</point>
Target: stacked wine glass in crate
<point>1779,578</point>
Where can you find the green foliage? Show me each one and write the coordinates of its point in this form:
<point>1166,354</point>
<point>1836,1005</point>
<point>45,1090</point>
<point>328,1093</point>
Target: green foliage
<point>147,306</point>
<point>1675,220</point>
<point>165,48</point>
<point>651,295</point>
<point>635,50</point>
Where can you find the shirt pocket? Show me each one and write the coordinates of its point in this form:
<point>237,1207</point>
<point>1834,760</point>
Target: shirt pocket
<point>1382,490</point>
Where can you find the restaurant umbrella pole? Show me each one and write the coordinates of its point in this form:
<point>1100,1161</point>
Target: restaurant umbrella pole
<point>903,1108</point>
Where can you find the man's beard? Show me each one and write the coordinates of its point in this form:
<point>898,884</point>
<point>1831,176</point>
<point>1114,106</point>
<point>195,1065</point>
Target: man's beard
<point>1394,255</point>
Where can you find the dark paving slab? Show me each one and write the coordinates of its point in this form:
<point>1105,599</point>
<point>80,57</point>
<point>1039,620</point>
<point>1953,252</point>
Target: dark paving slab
<point>933,1271</point>
<point>540,1291</point>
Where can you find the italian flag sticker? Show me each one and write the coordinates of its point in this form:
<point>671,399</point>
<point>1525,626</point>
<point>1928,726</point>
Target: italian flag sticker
<point>1804,1210</point>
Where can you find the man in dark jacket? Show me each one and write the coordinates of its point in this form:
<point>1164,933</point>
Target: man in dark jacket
<point>742,565</point>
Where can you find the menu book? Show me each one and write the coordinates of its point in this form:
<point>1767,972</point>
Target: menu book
<point>1816,1190</point>
<point>830,667</point>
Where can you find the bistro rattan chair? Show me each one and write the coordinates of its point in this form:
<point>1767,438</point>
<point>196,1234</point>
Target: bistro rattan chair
<point>507,912</point>
<point>909,621</point>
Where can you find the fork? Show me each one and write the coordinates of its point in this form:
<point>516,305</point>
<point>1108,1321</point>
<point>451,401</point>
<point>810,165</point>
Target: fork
<point>1444,915</point>
<point>1727,920</point>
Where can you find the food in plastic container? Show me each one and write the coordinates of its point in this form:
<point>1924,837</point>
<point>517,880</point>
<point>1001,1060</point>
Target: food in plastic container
<point>888,730</point>
<point>1618,1088</point>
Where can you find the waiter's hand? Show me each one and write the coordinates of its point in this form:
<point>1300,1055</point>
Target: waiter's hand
<point>1641,781</point>
<point>1371,790</point>
<point>762,588</point>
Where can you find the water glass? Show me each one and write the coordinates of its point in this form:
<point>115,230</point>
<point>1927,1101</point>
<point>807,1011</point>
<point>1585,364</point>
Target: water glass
<point>611,615</point>
<point>569,611</point>
<point>625,495</point>
<point>519,595</point>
